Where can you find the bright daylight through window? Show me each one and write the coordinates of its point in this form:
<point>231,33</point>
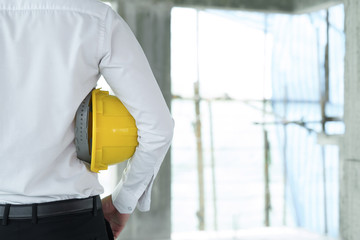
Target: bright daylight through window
<point>251,95</point>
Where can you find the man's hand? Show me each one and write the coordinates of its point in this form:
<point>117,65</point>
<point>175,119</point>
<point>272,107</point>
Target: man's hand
<point>117,220</point>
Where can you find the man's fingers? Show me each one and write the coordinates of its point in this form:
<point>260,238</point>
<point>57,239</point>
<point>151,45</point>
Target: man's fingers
<point>116,228</point>
<point>116,219</point>
<point>115,235</point>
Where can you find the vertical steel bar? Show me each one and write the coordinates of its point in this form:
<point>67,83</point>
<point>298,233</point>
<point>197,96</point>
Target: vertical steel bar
<point>267,206</point>
<point>285,156</point>
<point>267,179</point>
<point>199,147</point>
<point>212,150</point>
<point>324,101</point>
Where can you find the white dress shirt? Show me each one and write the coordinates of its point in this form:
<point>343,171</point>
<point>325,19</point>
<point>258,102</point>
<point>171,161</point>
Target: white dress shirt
<point>52,52</point>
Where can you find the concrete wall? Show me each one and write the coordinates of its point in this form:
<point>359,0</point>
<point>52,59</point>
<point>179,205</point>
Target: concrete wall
<point>350,162</point>
<point>150,22</point>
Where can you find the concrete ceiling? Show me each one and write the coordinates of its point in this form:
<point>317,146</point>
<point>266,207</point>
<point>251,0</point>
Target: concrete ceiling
<point>285,6</point>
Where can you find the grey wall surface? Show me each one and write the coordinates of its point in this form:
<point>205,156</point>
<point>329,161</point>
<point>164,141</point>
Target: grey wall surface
<point>150,22</point>
<point>350,162</point>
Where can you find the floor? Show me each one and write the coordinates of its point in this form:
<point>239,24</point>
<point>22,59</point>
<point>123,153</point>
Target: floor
<point>253,234</point>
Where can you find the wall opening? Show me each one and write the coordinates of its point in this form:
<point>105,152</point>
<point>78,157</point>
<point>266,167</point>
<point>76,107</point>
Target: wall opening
<point>254,97</point>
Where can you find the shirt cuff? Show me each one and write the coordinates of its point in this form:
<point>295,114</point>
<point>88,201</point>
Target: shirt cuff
<point>123,201</point>
<point>145,199</point>
<point>126,202</point>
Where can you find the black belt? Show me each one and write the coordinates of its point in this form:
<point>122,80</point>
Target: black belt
<point>49,209</point>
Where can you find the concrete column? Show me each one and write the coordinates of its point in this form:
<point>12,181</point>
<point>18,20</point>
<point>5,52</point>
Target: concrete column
<point>150,22</point>
<point>350,159</point>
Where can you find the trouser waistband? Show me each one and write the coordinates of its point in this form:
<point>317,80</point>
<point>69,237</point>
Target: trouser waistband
<point>48,209</point>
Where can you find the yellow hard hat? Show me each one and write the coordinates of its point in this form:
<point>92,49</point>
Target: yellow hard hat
<point>105,132</point>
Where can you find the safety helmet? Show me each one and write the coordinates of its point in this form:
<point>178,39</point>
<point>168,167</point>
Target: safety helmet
<point>105,132</point>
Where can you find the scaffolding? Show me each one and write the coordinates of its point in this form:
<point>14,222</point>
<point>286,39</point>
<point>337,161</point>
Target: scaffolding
<point>294,110</point>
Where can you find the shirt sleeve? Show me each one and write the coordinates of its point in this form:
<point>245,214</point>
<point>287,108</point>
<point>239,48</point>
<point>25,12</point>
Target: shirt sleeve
<point>126,69</point>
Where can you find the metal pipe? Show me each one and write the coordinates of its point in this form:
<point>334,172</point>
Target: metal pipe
<point>267,179</point>
<point>212,150</point>
<point>325,100</point>
<point>200,164</point>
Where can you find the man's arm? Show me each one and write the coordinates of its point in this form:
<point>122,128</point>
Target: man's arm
<point>125,67</point>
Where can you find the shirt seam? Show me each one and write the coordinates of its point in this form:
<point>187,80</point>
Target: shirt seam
<point>102,36</point>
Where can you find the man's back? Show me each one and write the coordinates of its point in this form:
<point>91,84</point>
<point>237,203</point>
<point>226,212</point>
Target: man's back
<point>50,51</point>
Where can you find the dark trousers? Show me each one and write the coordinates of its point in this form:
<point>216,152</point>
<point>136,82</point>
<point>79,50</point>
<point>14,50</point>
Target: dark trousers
<point>76,226</point>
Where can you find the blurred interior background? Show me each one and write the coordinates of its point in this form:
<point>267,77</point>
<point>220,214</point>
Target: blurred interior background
<point>256,89</point>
